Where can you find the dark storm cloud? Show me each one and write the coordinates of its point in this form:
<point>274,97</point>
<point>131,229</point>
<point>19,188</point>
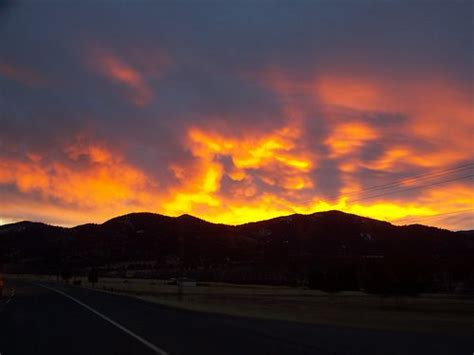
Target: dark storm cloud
<point>211,41</point>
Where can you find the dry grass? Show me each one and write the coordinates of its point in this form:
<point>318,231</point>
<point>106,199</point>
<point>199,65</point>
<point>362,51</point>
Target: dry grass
<point>429,313</point>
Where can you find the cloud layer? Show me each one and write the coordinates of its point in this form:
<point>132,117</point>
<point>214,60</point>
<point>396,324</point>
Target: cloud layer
<point>237,112</point>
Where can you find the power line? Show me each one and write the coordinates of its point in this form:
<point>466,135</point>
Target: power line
<point>412,188</point>
<point>412,218</point>
<point>414,179</point>
<point>427,179</point>
<point>428,176</point>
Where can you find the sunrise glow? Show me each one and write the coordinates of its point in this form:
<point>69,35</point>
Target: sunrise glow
<point>143,124</point>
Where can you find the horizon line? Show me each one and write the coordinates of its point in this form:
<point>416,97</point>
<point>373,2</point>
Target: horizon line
<point>228,224</point>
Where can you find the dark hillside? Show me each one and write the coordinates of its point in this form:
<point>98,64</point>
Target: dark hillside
<point>280,250</point>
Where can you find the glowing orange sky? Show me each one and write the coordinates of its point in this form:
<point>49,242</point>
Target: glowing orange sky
<point>270,172</point>
<point>145,122</point>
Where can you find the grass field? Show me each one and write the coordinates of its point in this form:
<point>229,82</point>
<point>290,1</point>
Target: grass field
<point>427,313</point>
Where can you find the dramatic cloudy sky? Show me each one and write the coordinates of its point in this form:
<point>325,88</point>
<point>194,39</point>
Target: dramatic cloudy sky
<point>237,111</point>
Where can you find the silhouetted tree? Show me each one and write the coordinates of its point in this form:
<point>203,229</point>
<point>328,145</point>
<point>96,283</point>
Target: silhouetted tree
<point>348,278</point>
<point>66,273</point>
<point>407,281</point>
<point>400,276</point>
<point>332,282</point>
<point>315,279</point>
<point>374,279</point>
<point>93,276</point>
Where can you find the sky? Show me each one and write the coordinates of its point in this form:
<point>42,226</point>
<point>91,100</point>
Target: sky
<point>237,111</point>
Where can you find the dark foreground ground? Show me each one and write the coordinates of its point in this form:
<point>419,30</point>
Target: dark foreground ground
<point>38,320</point>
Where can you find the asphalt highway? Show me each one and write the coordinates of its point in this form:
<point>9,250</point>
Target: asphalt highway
<point>54,319</point>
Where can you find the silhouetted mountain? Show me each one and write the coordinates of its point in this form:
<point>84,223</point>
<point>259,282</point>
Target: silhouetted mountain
<point>466,233</point>
<point>292,243</point>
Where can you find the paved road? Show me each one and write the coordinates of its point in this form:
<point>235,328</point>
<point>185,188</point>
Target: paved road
<point>70,320</point>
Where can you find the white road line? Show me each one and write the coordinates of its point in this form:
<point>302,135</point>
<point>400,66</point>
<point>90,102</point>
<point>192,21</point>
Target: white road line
<point>121,327</point>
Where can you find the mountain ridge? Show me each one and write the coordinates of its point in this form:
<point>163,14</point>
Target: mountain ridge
<point>188,216</point>
<point>281,250</point>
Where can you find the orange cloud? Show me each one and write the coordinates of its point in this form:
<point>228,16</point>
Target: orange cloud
<point>96,183</point>
<point>253,151</point>
<point>432,130</point>
<point>348,137</point>
<point>269,158</point>
<point>356,94</point>
<point>104,180</point>
<point>436,111</point>
<point>121,73</point>
<point>134,74</point>
<point>241,176</point>
<point>21,74</point>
